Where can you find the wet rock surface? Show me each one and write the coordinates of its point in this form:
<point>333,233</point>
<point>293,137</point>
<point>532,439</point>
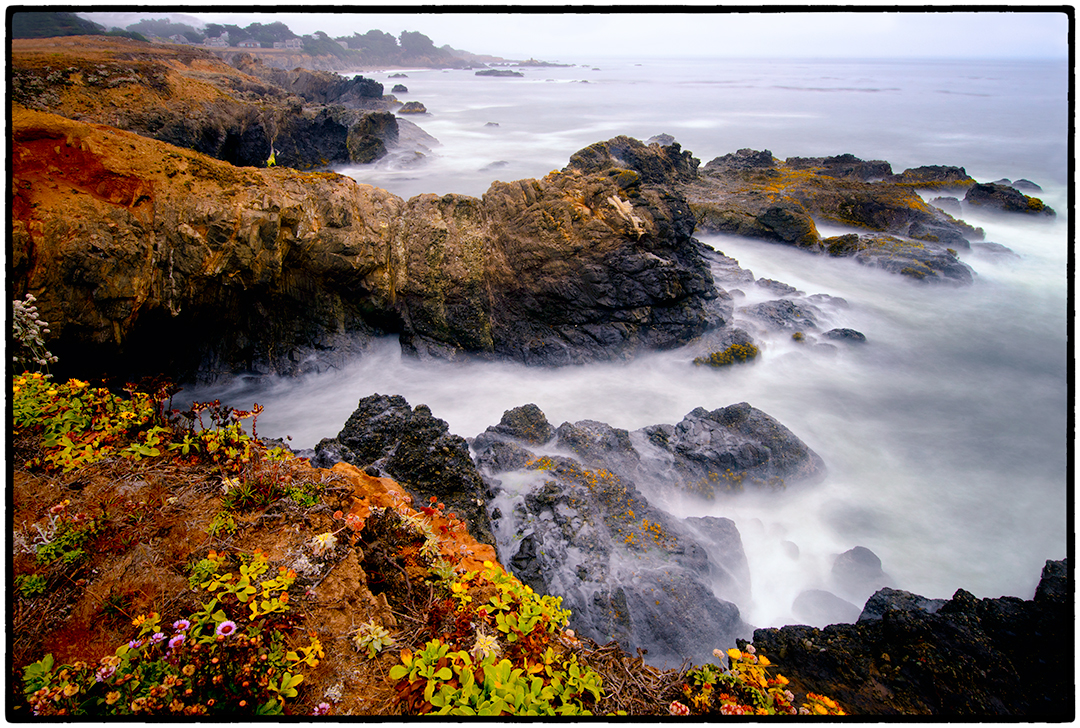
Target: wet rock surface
<point>961,657</point>
<point>570,512</point>
<point>1003,198</point>
<point>630,572</point>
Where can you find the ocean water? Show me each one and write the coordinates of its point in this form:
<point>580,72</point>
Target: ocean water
<point>945,436</point>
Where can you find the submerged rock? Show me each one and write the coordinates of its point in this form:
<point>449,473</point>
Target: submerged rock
<point>857,573</point>
<point>961,657</point>
<point>819,608</point>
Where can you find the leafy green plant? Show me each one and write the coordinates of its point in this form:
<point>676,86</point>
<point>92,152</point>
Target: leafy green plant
<point>372,637</point>
<point>30,585</point>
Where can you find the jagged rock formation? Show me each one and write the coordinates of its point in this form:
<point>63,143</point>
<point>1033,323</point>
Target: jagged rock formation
<point>571,512</point>
<point>961,657</point>
<point>387,437</point>
<point>629,571</point>
<point>177,262</point>
<point>186,96</point>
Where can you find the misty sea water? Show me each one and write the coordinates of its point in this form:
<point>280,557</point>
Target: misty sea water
<point>944,436</point>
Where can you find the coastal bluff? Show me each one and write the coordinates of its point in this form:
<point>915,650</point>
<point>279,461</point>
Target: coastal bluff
<point>161,258</point>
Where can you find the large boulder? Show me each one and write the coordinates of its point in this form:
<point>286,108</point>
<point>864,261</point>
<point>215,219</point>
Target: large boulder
<point>726,450</point>
<point>964,657</point>
<point>416,449</point>
<point>1003,198</point>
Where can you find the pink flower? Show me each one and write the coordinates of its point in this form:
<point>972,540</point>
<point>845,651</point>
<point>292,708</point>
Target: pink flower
<point>157,637</point>
<point>181,625</point>
<point>677,708</point>
<point>321,709</point>
<point>176,641</point>
<point>226,628</point>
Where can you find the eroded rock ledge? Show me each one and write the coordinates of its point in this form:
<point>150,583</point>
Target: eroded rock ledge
<point>154,258</point>
<point>753,194</point>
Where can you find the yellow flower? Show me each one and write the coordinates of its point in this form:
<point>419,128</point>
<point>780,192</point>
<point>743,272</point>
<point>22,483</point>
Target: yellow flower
<point>70,689</point>
<point>764,661</point>
<point>734,654</point>
<point>112,697</point>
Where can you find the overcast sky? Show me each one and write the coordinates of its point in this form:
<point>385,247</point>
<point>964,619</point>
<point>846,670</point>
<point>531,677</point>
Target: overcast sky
<point>567,35</point>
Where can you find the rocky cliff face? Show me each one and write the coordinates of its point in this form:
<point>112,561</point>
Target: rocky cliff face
<point>151,257</point>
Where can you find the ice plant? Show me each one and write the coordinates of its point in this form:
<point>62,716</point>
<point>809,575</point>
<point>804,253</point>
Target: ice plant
<point>677,708</point>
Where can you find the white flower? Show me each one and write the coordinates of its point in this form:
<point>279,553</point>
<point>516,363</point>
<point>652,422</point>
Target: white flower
<point>323,542</point>
<point>485,645</point>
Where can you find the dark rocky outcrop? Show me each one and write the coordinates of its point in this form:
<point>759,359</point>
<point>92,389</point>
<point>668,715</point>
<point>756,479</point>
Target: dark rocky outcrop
<point>415,448</point>
<point>783,315</point>
<point>412,107</point>
<point>1024,185</point>
<point>920,260</point>
<point>752,194</point>
<point>964,657</point>
<point>500,73</point>
<point>399,88</point>
<point>1005,199</point>
<point>848,335</point>
<point>932,176</point>
<point>316,87</point>
<point>843,165</point>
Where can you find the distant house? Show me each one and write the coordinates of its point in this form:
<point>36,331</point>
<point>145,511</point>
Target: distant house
<point>249,44</point>
<point>343,44</point>
<point>294,43</point>
<point>221,41</point>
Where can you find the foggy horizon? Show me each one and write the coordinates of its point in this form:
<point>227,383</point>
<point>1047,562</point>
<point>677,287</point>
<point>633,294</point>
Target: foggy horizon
<point>708,33</point>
